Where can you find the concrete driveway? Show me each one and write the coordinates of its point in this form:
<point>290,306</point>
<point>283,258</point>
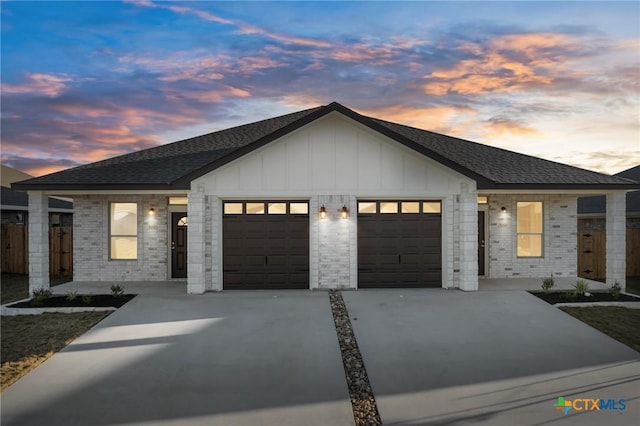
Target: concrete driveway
<point>495,358</point>
<point>233,358</point>
<point>271,357</point>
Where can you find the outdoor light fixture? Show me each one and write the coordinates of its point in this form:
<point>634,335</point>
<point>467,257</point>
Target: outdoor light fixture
<point>344,212</point>
<point>151,211</point>
<point>503,211</point>
<point>323,212</point>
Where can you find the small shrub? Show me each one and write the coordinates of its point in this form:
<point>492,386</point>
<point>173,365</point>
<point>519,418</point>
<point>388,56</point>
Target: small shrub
<point>117,290</point>
<point>547,284</point>
<point>615,290</point>
<point>40,295</point>
<point>581,288</point>
<point>72,295</point>
<point>87,299</point>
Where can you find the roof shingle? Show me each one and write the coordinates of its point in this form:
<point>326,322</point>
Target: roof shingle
<point>174,165</point>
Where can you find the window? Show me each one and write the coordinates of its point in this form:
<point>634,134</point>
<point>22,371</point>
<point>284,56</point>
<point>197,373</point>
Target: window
<point>529,229</point>
<point>123,231</point>
<point>410,207</point>
<point>432,207</point>
<point>483,200</point>
<point>232,208</point>
<point>178,201</point>
<point>367,207</point>
<point>299,208</point>
<point>277,208</point>
<point>388,207</point>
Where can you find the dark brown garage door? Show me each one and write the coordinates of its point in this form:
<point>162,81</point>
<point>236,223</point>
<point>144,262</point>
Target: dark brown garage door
<point>265,245</point>
<point>399,244</point>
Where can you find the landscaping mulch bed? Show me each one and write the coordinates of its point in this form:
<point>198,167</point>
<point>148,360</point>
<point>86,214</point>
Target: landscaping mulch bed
<point>97,301</point>
<point>554,297</point>
<point>363,403</point>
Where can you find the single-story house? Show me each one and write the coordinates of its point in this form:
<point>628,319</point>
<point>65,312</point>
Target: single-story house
<point>592,228</point>
<point>325,198</point>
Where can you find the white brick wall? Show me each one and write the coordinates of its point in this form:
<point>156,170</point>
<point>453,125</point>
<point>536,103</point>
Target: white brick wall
<point>91,240</point>
<point>38,241</point>
<point>560,238</point>
<point>468,239</point>
<point>333,258</point>
<point>616,239</point>
<point>196,242</point>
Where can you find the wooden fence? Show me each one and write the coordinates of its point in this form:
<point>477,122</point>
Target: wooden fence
<point>592,250</point>
<point>15,249</point>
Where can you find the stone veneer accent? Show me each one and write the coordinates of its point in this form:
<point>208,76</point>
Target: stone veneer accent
<point>560,238</point>
<point>91,240</point>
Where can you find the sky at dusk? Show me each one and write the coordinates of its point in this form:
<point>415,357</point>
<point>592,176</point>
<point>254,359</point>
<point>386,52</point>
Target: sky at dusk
<point>84,81</point>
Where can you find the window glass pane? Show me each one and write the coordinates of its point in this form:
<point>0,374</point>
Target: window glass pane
<point>367,207</point>
<point>530,245</point>
<point>410,207</point>
<point>184,221</point>
<point>124,248</point>
<point>124,219</point>
<point>178,200</point>
<point>255,208</point>
<point>277,208</point>
<point>232,208</point>
<point>389,207</point>
<point>483,200</point>
<point>529,217</point>
<point>299,208</point>
<point>431,207</point>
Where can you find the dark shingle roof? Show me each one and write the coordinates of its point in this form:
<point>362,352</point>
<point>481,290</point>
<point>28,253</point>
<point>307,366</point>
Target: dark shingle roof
<point>13,198</point>
<point>174,165</point>
<point>598,205</point>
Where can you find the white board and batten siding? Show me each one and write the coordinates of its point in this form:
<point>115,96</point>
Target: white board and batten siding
<point>332,161</point>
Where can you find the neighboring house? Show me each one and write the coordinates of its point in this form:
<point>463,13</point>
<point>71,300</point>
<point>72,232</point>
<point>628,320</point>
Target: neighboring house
<point>592,229</point>
<point>15,221</point>
<point>325,198</point>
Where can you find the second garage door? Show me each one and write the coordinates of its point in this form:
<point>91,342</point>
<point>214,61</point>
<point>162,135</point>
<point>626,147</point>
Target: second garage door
<point>265,245</point>
<point>399,244</point>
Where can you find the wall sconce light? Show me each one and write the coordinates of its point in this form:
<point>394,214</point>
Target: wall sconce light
<point>323,212</point>
<point>503,211</point>
<point>152,211</point>
<point>344,212</point>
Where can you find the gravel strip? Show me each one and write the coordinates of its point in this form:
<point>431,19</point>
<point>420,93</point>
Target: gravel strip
<point>363,403</point>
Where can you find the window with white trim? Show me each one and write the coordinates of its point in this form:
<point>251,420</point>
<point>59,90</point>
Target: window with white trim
<point>529,229</point>
<point>123,231</point>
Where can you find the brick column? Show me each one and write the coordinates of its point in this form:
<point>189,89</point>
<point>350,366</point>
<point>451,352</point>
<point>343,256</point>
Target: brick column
<point>38,241</point>
<point>196,242</point>
<point>468,240</point>
<point>616,239</point>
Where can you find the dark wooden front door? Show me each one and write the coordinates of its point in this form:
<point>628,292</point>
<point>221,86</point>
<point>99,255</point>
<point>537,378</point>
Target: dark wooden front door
<point>265,251</point>
<point>481,243</point>
<point>399,250</point>
<point>178,245</point>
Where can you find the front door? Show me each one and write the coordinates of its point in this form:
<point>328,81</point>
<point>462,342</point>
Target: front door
<point>178,245</point>
<point>481,242</point>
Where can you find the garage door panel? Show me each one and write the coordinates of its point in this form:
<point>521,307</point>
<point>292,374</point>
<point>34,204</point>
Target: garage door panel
<point>265,251</point>
<point>399,249</point>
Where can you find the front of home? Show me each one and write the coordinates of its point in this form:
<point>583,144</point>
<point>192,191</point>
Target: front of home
<point>325,198</point>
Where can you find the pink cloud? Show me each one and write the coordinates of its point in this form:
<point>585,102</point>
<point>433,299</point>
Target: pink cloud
<point>39,84</point>
<point>506,64</point>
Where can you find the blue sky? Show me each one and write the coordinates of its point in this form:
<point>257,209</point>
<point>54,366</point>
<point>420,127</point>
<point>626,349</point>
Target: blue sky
<point>83,81</point>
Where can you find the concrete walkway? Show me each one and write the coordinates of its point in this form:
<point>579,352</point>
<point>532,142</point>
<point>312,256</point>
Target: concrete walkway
<point>233,358</point>
<point>490,358</point>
